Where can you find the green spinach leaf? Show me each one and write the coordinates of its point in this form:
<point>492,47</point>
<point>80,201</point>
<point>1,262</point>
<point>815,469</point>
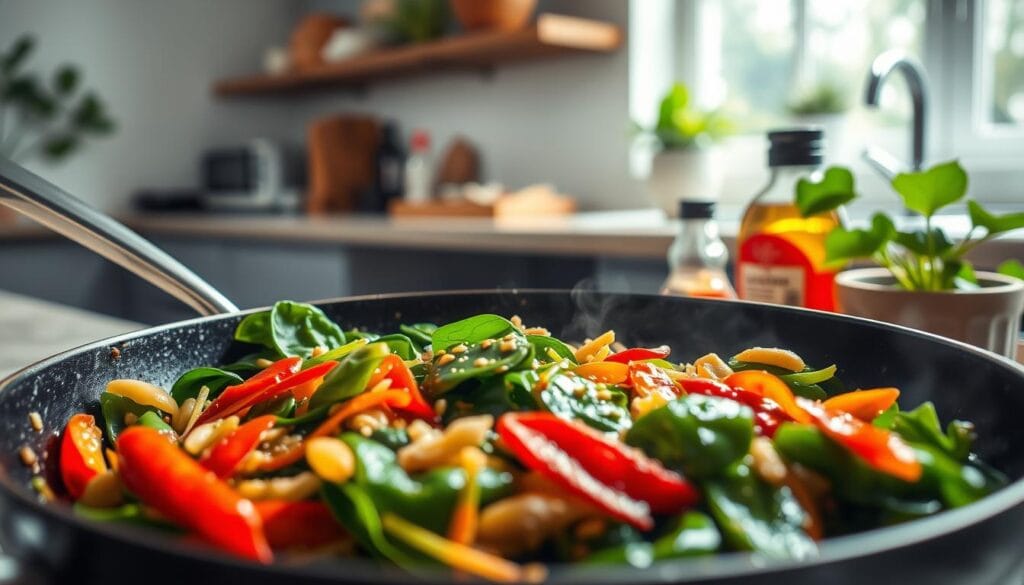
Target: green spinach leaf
<point>188,384</point>
<point>701,435</point>
<point>472,330</point>
<point>545,345</point>
<point>475,359</point>
<point>350,377</point>
<point>114,407</point>
<point>569,396</point>
<point>421,333</point>
<point>427,499</point>
<point>291,329</point>
<point>757,517</point>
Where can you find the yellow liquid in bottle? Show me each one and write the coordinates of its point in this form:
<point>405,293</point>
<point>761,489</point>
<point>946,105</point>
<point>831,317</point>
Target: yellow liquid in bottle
<point>784,219</point>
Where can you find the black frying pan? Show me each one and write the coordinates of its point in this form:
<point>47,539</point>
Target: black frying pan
<point>980,543</point>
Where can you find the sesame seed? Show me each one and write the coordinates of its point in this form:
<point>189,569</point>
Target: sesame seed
<point>508,337</point>
<point>440,406</point>
<point>460,348</point>
<point>445,359</point>
<point>263,363</point>
<point>480,362</point>
<point>507,345</point>
<point>36,421</point>
<point>485,344</point>
<point>28,456</point>
<point>502,369</point>
<point>604,395</point>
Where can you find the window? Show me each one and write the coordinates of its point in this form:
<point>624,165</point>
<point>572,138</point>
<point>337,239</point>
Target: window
<point>1003,62</point>
<point>775,62</point>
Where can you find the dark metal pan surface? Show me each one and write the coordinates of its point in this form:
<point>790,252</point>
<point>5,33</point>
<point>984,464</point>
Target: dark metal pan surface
<point>980,543</point>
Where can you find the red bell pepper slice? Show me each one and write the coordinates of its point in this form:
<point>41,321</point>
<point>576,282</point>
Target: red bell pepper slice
<point>648,379</point>
<point>623,482</point>
<point>767,414</point>
<point>879,448</point>
<point>166,478</point>
<point>305,524</point>
<point>636,354</point>
<point>772,387</point>
<point>395,370</point>
<point>264,393</point>
<point>269,376</point>
<point>227,455</point>
<point>81,454</point>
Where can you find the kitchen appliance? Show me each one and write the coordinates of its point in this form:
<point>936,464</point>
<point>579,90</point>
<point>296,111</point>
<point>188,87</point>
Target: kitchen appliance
<point>979,543</point>
<point>262,175</point>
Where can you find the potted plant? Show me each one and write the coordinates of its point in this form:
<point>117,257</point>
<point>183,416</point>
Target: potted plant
<point>45,119</point>
<point>823,104</point>
<point>923,279</point>
<point>688,163</point>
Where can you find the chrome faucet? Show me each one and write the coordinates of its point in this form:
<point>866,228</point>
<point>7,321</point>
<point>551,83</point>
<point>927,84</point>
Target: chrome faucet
<point>883,65</point>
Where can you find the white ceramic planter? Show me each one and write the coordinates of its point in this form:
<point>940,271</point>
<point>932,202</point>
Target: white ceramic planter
<point>988,317</point>
<point>694,174</point>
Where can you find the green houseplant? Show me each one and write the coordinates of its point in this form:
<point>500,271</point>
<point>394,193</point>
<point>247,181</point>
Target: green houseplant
<point>45,116</point>
<point>923,279</point>
<point>687,163</point>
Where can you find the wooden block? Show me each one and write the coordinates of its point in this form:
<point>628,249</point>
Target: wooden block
<point>341,161</point>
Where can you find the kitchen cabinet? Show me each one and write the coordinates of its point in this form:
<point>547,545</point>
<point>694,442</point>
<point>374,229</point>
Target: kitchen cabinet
<point>256,273</point>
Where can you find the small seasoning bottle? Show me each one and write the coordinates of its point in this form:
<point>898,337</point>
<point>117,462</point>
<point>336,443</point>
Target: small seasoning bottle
<point>698,256</point>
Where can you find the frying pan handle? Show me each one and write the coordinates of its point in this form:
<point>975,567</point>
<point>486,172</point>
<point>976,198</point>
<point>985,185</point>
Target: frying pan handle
<point>49,205</point>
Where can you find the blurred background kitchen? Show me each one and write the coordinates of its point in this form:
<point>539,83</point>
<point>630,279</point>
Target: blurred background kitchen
<point>309,149</point>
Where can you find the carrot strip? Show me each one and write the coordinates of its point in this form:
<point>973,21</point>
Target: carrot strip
<point>458,556</point>
<point>397,398</point>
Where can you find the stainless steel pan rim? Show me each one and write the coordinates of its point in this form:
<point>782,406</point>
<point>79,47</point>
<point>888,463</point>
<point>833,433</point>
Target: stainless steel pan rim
<point>722,565</point>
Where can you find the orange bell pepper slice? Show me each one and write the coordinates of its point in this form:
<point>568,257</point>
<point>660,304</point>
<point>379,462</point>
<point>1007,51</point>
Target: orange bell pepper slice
<point>863,404</point>
<point>764,384</point>
<point>604,372</point>
<point>879,448</point>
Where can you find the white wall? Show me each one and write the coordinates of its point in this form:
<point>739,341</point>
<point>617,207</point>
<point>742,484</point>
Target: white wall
<point>563,121</point>
<point>153,62</point>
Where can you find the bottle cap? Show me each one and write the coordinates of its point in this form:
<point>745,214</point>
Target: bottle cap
<point>796,147</point>
<point>696,209</point>
<point>420,140</point>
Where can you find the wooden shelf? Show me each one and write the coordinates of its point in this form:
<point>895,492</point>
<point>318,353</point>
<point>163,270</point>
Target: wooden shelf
<point>550,36</point>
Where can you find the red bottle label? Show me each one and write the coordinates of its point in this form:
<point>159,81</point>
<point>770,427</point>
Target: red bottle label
<point>771,269</point>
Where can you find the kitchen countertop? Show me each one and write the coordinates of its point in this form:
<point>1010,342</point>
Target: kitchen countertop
<point>642,233</point>
<point>31,330</point>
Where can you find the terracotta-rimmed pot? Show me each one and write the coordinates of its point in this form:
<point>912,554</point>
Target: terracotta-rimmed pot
<point>503,15</point>
<point>988,317</point>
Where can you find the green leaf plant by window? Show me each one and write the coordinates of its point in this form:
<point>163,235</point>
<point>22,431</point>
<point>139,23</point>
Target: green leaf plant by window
<point>45,115</point>
<point>919,260</point>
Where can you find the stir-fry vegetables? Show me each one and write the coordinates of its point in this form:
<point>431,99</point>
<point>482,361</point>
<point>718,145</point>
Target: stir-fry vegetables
<point>493,449</point>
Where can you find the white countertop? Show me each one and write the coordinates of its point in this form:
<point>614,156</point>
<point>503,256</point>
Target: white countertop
<point>641,233</point>
<point>31,330</point>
